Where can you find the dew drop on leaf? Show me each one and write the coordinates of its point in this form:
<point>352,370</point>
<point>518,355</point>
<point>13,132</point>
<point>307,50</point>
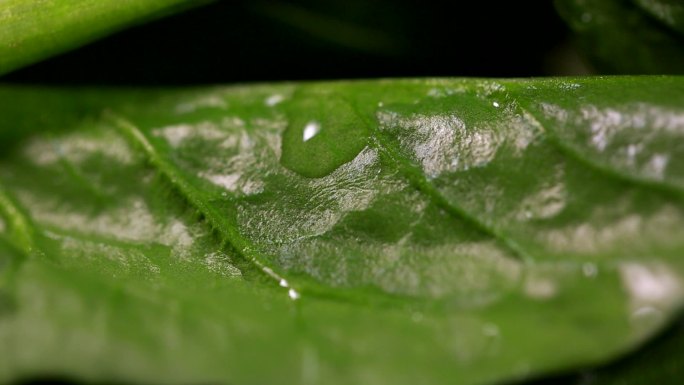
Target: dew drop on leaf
<point>323,133</point>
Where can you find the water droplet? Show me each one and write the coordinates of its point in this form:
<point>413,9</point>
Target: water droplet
<point>293,294</point>
<point>310,130</point>
<point>273,100</point>
<point>283,283</point>
<point>495,104</point>
<point>323,133</point>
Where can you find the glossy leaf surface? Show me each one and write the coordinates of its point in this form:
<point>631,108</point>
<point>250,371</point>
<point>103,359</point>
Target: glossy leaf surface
<point>406,231</point>
<point>34,30</point>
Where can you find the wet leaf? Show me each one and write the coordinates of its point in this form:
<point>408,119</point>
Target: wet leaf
<point>398,232</point>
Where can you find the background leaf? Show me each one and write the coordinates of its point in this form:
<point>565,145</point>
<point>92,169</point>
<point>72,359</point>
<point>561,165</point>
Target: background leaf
<point>668,12</point>
<point>202,45</point>
<point>31,31</point>
<point>628,37</point>
<point>466,230</point>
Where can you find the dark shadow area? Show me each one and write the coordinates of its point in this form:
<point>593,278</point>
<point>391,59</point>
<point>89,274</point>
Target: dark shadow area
<point>658,362</point>
<point>255,41</point>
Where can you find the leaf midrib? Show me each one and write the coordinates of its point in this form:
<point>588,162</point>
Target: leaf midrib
<point>217,221</point>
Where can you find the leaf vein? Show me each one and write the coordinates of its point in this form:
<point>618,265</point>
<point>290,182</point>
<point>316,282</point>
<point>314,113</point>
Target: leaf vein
<point>227,230</point>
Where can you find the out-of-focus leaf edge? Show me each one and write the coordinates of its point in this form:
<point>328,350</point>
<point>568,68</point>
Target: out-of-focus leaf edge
<point>33,31</point>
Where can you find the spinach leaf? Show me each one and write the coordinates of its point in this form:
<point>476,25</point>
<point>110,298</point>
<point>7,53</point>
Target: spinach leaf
<point>399,231</point>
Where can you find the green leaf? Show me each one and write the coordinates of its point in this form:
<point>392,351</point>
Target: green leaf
<point>628,37</point>
<point>386,232</point>
<point>31,31</point>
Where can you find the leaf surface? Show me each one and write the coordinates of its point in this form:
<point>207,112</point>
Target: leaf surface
<point>404,231</point>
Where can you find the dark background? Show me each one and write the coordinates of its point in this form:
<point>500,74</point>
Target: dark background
<point>250,41</point>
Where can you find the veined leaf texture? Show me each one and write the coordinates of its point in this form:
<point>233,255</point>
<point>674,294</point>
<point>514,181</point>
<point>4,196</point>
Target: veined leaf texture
<point>399,231</point>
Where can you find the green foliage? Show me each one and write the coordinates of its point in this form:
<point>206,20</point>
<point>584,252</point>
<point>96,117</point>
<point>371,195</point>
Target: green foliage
<point>469,232</point>
<point>387,232</point>
<point>34,30</point>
